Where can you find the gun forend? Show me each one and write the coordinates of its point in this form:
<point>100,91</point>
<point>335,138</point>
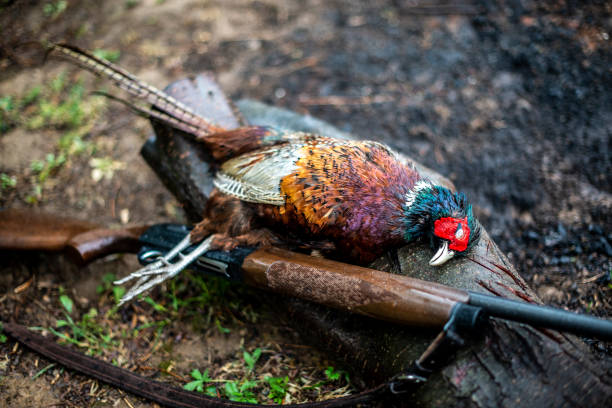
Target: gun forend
<point>373,293</point>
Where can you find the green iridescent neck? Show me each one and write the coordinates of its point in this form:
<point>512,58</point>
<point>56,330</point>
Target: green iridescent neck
<point>427,203</point>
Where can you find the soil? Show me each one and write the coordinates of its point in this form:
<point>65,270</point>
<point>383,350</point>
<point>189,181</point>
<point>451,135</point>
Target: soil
<point>510,99</point>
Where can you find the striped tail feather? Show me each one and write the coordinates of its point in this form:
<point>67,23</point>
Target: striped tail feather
<point>163,117</point>
<point>172,112</point>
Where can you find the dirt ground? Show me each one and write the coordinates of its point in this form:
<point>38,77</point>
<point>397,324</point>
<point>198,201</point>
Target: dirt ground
<point>510,99</point>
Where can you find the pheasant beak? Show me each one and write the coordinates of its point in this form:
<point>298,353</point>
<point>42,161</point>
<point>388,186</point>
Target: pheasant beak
<point>443,255</point>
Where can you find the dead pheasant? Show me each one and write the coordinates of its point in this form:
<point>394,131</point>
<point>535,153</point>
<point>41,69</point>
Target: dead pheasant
<point>354,196</point>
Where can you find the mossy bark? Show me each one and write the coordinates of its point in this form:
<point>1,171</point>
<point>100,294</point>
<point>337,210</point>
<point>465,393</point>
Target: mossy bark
<point>507,364</point>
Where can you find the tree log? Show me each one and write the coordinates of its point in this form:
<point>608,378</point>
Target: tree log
<point>508,364</point>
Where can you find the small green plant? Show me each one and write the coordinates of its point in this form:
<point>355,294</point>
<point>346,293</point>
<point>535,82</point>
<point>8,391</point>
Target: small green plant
<point>86,333</point>
<point>200,380</point>
<point>118,292</point>
<point>334,375</point>
<point>59,109</point>
<point>6,103</point>
<point>250,359</point>
<point>2,335</point>
<point>67,303</point>
<point>44,168</point>
<point>221,329</point>
<point>31,96</point>
<point>278,388</point>
<point>44,370</point>
<point>109,55</point>
<point>241,392</point>
<point>156,306</point>
<point>104,167</point>
<point>7,181</point>
<point>107,286</point>
<point>54,9</point>
<point>7,113</point>
<point>36,195</point>
<point>60,105</point>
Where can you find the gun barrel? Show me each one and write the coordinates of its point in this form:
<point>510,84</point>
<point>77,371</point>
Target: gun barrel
<point>542,316</point>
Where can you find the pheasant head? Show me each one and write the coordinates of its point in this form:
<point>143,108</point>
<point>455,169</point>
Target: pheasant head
<point>442,217</point>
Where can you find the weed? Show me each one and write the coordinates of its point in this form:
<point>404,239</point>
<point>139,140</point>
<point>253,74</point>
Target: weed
<point>156,306</point>
<point>109,55</point>
<point>221,329</point>
<point>241,391</point>
<point>59,109</point>
<point>106,284</point>
<point>7,113</point>
<point>334,375</point>
<point>278,388</point>
<point>7,181</point>
<point>66,303</point>
<point>200,380</point>
<point>36,195</point>
<point>107,287</point>
<point>118,292</point>
<point>43,169</point>
<point>60,105</point>
<point>104,167</point>
<point>31,96</point>
<point>44,370</point>
<point>201,298</point>
<point>54,9</point>
<point>251,359</point>
<point>86,333</point>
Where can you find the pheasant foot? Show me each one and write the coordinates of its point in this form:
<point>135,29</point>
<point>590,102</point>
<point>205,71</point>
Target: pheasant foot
<point>164,268</point>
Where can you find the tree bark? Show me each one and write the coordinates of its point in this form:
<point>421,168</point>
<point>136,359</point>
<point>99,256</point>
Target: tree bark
<point>506,365</point>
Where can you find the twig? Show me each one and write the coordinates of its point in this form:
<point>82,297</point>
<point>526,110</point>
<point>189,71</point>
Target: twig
<point>592,278</point>
<point>335,100</point>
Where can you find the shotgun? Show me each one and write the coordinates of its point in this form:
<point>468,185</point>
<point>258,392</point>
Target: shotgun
<point>394,298</point>
<point>82,241</point>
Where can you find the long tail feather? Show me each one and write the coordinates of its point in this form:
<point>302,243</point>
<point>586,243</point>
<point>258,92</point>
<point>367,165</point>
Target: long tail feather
<point>159,115</point>
<point>173,112</point>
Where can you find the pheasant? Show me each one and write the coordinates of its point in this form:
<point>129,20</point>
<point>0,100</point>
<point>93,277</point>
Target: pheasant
<point>356,198</point>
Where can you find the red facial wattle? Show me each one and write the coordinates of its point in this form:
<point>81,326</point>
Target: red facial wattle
<point>455,230</point>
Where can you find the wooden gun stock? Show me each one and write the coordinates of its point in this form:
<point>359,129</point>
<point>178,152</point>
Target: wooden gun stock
<point>81,240</point>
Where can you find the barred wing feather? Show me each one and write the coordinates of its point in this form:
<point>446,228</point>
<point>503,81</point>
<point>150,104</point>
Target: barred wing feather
<point>255,177</point>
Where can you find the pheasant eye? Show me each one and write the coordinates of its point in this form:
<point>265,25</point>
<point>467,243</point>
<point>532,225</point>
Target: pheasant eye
<point>459,233</point>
